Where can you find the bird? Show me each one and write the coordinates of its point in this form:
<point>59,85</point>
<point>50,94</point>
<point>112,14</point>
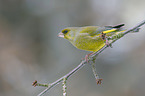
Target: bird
<point>90,38</point>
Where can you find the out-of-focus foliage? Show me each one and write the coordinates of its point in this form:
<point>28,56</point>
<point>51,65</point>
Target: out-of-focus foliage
<point>30,48</point>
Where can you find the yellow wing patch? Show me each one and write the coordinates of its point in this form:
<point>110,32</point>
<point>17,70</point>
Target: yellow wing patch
<point>108,31</point>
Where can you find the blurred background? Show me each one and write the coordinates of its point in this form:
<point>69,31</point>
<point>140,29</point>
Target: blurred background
<point>30,49</point>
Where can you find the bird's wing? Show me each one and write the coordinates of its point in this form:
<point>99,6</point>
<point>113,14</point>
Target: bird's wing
<point>96,30</point>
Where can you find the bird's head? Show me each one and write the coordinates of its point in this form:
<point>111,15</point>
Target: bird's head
<point>68,33</point>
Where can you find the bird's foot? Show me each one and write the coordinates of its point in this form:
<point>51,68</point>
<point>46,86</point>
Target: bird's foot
<point>104,37</point>
<point>87,57</point>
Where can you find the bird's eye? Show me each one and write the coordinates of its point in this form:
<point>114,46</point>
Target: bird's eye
<point>65,31</point>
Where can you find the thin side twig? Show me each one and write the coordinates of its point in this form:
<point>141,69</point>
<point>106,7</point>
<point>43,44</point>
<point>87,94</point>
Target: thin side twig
<point>64,87</point>
<point>98,80</point>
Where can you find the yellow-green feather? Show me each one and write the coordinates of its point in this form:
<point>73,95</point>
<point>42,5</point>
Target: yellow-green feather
<point>88,43</point>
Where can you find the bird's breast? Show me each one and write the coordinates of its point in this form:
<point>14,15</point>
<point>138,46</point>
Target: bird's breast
<point>88,43</point>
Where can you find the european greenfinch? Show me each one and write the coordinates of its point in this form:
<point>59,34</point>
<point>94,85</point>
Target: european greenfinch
<point>90,38</point>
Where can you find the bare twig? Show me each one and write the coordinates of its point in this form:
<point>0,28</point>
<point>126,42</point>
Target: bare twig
<point>98,80</point>
<point>64,87</point>
<point>49,86</point>
<point>61,79</point>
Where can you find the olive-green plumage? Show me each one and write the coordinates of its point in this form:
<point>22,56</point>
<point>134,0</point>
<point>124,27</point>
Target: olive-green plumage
<point>89,37</point>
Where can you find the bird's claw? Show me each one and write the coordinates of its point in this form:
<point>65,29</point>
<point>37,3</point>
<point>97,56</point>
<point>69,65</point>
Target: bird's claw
<point>87,57</point>
<point>104,37</point>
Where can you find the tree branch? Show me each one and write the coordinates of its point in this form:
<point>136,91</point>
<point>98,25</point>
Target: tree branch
<point>83,62</point>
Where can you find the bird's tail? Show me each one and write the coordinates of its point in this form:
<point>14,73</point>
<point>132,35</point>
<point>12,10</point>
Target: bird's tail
<point>118,26</point>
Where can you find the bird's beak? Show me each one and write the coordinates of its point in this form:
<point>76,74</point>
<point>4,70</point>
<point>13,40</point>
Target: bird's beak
<point>61,35</point>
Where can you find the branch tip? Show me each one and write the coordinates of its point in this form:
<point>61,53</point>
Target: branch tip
<point>99,81</point>
<point>34,83</point>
